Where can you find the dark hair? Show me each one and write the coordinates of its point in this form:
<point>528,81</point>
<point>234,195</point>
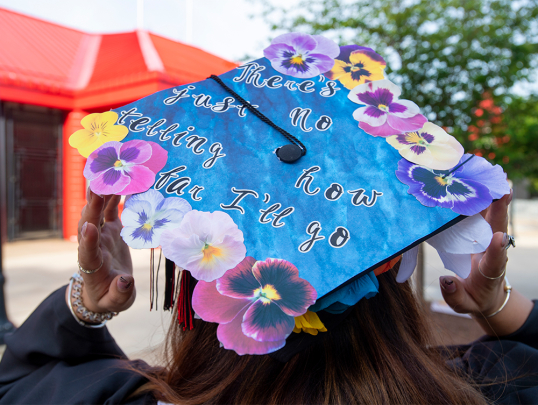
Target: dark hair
<point>383,352</point>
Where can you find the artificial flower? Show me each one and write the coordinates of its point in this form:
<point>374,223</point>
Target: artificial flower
<point>467,189</point>
<point>454,245</point>
<point>385,115</point>
<point>145,217</point>
<point>387,266</point>
<point>255,304</point>
<point>206,243</point>
<point>430,146</point>
<point>309,323</point>
<point>128,168</point>
<point>357,65</point>
<point>98,130</point>
<point>301,55</point>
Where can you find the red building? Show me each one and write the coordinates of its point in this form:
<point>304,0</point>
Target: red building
<point>52,76</point>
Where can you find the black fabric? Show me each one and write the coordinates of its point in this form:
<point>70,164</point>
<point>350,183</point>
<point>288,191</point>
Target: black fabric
<point>51,359</point>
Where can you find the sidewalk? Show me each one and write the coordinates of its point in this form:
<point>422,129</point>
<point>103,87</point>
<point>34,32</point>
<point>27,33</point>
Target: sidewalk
<point>33,269</point>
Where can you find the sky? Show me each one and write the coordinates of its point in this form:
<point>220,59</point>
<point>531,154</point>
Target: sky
<point>222,27</point>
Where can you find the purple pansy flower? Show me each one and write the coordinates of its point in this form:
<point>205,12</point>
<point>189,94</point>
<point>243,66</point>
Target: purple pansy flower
<point>255,304</point>
<point>301,55</point>
<point>124,168</point>
<point>145,217</point>
<point>385,115</point>
<point>467,190</point>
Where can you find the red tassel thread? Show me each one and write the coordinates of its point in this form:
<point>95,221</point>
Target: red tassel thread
<point>184,306</point>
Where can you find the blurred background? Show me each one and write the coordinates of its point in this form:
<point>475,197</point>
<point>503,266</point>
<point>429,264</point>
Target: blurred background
<point>470,65</point>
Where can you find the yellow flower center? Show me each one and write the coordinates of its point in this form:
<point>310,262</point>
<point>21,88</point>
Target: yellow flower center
<point>383,107</point>
<point>297,60</point>
<point>414,137</point>
<point>267,294</point>
<point>118,163</point>
<point>210,252</point>
<point>147,226</point>
<point>441,180</point>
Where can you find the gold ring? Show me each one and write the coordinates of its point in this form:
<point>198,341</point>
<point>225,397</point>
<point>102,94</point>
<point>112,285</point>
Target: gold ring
<point>102,223</point>
<point>491,278</point>
<point>90,271</point>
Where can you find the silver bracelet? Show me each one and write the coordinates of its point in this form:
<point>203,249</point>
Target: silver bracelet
<point>75,304</point>
<point>507,290</point>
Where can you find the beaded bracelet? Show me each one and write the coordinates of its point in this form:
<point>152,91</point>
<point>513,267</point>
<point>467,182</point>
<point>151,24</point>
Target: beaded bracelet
<point>76,305</point>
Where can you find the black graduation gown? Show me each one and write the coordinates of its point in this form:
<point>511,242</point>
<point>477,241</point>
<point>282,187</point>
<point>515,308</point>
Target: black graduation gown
<point>51,359</point>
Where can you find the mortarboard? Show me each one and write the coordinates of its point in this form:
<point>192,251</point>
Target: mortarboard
<point>287,184</point>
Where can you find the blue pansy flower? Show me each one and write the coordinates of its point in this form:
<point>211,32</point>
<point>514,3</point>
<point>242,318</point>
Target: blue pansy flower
<point>467,190</point>
<point>146,215</point>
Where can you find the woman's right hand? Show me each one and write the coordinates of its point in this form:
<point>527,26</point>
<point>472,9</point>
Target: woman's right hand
<point>111,288</point>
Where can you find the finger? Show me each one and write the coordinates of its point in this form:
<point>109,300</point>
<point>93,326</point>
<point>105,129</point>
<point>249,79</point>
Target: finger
<point>121,294</point>
<point>111,208</point>
<point>89,252</point>
<point>93,211</point>
<point>456,296</point>
<point>497,214</point>
<point>493,262</point>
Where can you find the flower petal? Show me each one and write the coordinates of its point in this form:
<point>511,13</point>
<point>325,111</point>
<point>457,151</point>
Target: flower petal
<point>141,180</point>
<point>102,159</point>
<point>409,124</point>
<point>408,264</point>
<point>404,109</point>
<point>325,46</point>
<point>152,197</point>
<point>239,282</point>
<point>370,115</point>
<point>212,306</point>
<point>472,235</point>
<point>135,152</point>
<point>379,87</point>
<point>232,338</point>
<point>382,130</point>
<point>158,158</point>
<point>296,294</point>
<point>480,170</point>
<point>110,182</point>
<point>136,213</point>
<point>459,264</point>
<point>266,322</point>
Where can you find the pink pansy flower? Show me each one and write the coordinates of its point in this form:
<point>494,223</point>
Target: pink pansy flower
<point>255,304</point>
<point>206,243</point>
<point>384,115</point>
<point>124,168</point>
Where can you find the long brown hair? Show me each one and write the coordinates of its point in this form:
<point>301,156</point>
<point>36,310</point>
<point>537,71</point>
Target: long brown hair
<point>382,353</point>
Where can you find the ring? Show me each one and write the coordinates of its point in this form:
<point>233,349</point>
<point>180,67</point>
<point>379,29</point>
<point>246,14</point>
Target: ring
<point>491,278</point>
<point>90,271</point>
<point>511,242</point>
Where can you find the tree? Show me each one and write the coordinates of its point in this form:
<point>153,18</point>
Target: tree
<point>448,56</point>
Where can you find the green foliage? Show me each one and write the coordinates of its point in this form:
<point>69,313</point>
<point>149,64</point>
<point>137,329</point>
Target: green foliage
<point>448,56</point>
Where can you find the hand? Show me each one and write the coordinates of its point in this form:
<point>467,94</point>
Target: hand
<point>111,288</point>
<point>481,296</point>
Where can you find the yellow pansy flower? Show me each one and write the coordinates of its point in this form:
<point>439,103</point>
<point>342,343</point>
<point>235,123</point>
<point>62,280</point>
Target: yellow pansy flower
<point>309,323</point>
<point>98,130</point>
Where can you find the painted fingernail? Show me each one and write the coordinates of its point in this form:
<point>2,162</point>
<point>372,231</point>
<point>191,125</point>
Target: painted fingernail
<point>447,284</point>
<point>83,230</point>
<point>124,284</point>
<point>505,240</point>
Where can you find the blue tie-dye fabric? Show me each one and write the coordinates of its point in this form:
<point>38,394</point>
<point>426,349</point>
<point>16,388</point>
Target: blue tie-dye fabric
<point>198,122</point>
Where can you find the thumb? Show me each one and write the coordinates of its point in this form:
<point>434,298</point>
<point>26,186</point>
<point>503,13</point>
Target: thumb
<point>121,294</point>
<point>456,296</point>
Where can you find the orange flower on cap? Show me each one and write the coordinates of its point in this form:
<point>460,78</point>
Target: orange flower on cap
<point>98,130</point>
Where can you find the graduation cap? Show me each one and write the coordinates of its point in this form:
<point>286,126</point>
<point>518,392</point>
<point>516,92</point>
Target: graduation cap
<point>286,185</point>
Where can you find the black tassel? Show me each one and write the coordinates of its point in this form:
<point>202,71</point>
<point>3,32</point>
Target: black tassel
<point>169,285</point>
<point>151,278</point>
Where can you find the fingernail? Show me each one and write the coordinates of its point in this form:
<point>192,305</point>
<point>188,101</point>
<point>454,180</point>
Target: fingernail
<point>505,240</point>
<point>83,230</point>
<point>124,284</point>
<point>447,284</point>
